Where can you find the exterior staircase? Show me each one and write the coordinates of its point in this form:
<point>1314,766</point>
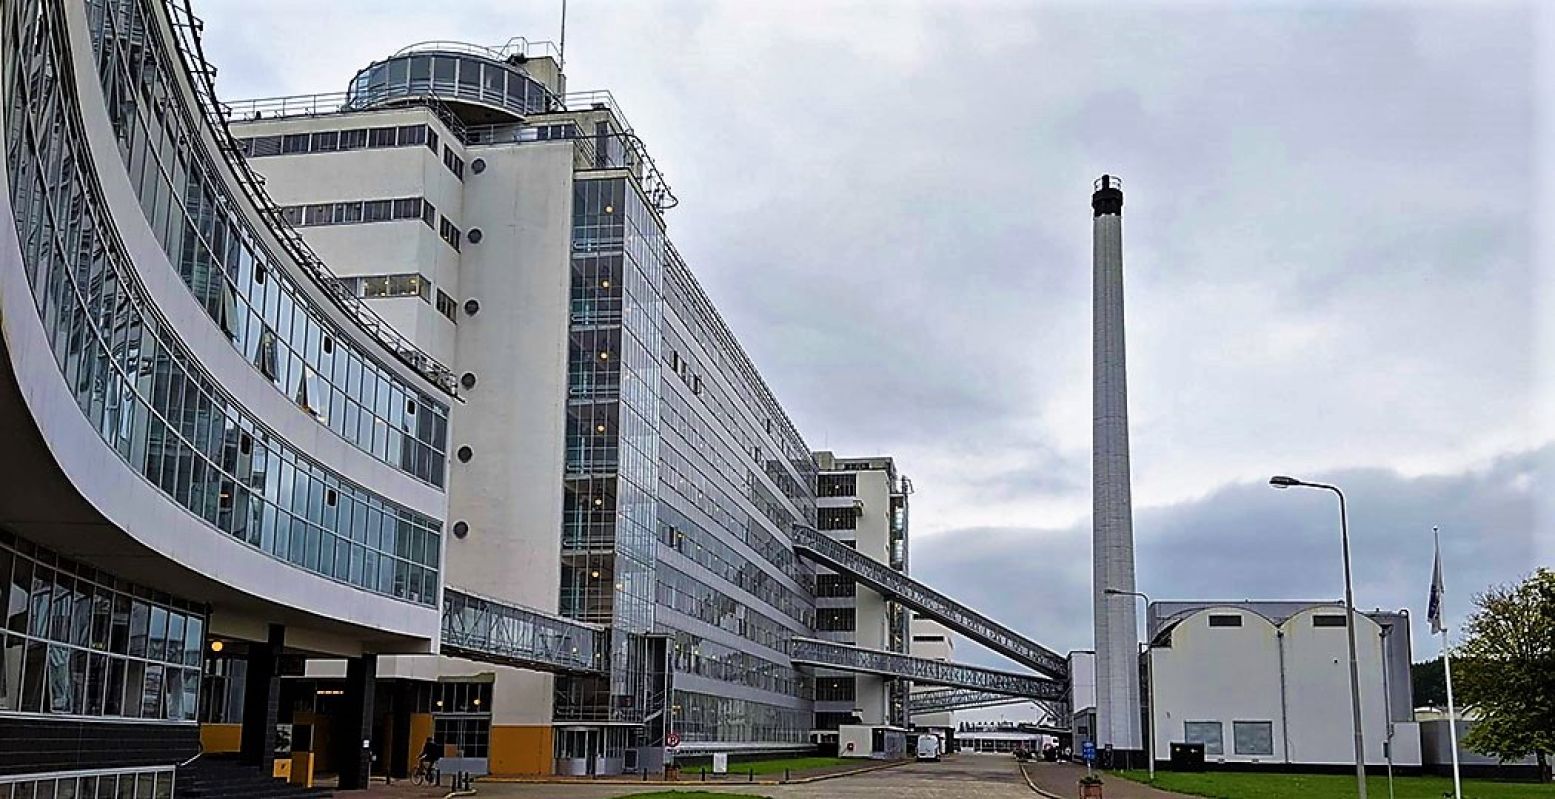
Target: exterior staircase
<point>223,777</point>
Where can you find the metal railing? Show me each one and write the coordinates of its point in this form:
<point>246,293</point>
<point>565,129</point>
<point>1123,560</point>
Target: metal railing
<point>878,577</point>
<point>187,29</point>
<point>494,631</point>
<point>827,654</point>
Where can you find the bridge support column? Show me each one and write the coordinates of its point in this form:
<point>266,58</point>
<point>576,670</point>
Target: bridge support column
<point>355,739</point>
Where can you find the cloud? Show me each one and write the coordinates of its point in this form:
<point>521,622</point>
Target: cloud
<point>1333,238</point>
<point>1248,541</point>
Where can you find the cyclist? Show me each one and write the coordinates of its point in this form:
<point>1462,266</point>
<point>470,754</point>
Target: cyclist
<point>431,752</point>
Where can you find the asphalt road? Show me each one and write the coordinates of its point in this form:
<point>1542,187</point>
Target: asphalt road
<point>965,776</point>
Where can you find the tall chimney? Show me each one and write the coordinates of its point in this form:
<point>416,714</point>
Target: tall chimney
<point>1112,517</point>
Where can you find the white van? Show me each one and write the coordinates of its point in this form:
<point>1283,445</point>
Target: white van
<point>928,747</point>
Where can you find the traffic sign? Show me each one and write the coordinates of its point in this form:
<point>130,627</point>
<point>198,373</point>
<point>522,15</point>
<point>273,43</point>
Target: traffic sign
<point>672,739</point>
<point>1088,751</point>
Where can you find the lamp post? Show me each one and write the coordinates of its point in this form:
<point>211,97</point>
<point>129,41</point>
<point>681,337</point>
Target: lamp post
<point>1149,674</point>
<point>1282,482</point>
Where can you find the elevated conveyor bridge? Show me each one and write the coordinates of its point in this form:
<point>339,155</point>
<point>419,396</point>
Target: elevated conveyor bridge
<point>879,577</point>
<point>831,655</point>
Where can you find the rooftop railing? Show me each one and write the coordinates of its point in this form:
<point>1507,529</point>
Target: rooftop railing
<point>187,29</point>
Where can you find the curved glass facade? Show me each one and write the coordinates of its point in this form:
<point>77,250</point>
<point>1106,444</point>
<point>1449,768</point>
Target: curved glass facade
<point>451,77</point>
<point>136,382</point>
<point>253,302</point>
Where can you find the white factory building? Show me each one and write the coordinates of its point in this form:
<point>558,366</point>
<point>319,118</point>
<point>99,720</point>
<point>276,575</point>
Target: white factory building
<point>1268,684</point>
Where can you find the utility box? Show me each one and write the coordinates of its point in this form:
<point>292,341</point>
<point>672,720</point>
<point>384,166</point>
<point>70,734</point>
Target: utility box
<point>1187,757</point>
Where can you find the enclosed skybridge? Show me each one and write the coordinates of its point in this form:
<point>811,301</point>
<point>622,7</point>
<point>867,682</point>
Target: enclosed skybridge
<point>497,632</point>
<point>882,579</point>
<point>827,654</point>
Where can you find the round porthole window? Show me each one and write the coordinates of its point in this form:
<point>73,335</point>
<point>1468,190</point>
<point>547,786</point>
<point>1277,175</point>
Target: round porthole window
<point>471,307</point>
<point>467,380</point>
<point>465,454</point>
<point>461,529</point>
<point>478,165</point>
<point>475,235</point>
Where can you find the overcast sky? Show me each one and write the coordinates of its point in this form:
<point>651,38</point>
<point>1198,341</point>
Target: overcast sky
<point>1332,248</point>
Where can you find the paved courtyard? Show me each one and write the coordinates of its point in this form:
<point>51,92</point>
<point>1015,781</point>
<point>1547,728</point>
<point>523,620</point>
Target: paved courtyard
<point>959,777</point>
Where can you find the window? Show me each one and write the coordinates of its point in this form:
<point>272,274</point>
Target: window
<point>429,214</point>
<point>319,214</point>
<point>412,135</point>
<point>432,140</point>
<point>449,232</point>
<point>454,163</point>
<point>835,620</point>
<point>348,213</point>
<point>382,137</point>
<point>1328,620</point>
<point>294,143</point>
<point>928,639</point>
<point>404,285</point>
<point>266,357</point>
<point>262,146</point>
<point>377,210</point>
<point>1204,732</point>
<point>446,306</point>
<point>1225,620</point>
<point>835,689</point>
<point>326,141</point>
<point>836,518</point>
<point>835,585</point>
<point>353,139</point>
<point>835,485</point>
<point>1252,737</point>
<point>407,208</point>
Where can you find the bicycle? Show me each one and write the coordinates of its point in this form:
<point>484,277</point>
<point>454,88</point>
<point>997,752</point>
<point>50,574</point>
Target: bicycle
<point>425,774</point>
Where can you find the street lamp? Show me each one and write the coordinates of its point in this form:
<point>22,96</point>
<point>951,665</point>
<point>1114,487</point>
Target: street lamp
<point>1149,673</point>
<point>1282,482</point>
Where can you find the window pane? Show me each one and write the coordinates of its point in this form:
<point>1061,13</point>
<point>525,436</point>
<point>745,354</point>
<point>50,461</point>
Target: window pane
<point>1253,737</point>
<point>1204,732</point>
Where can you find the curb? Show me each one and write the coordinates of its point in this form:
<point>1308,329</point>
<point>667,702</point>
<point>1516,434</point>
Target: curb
<point>1033,785</point>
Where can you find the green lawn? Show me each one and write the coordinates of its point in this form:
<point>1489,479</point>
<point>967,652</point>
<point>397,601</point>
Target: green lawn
<point>1230,785</point>
<point>688,795</point>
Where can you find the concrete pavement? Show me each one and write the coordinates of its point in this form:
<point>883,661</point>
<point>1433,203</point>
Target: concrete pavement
<point>956,777</point>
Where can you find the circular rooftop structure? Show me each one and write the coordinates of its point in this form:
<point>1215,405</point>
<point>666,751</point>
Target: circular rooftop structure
<point>481,85</point>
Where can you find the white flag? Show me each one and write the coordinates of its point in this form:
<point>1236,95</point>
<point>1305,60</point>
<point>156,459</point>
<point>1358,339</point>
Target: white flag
<point>1433,611</point>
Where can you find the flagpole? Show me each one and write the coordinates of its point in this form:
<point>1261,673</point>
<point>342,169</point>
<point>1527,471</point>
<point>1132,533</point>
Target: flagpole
<point>1452,710</point>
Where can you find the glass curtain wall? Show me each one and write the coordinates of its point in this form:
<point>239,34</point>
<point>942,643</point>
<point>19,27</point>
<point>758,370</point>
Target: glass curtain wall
<point>137,383</point>
<point>611,473</point>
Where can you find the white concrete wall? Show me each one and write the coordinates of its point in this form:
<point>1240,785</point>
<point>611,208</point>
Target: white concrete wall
<point>1230,674</point>
<point>510,493</point>
<point>943,649</point>
<point>1222,674</point>
<point>1318,687</point>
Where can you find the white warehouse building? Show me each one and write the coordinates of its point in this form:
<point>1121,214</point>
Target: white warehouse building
<point>1268,684</point>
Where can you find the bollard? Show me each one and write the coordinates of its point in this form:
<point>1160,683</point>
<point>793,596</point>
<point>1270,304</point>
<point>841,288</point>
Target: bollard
<point>703,771</point>
<point>750,775</point>
<point>785,775</point>
<point>645,775</point>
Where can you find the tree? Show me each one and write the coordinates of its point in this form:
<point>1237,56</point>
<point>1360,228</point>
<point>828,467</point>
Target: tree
<point>1430,683</point>
<point>1507,670</point>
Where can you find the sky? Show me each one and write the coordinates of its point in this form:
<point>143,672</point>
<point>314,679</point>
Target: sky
<point>1335,266</point>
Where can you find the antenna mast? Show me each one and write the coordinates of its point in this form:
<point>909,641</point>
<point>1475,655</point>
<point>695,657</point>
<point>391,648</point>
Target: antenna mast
<point>561,55</point>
